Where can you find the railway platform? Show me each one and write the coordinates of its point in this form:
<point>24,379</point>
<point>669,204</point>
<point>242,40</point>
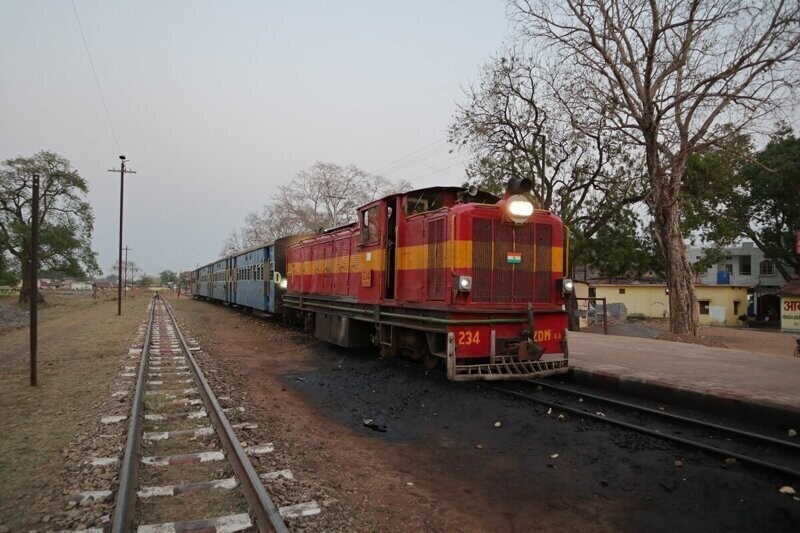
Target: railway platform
<point>751,386</point>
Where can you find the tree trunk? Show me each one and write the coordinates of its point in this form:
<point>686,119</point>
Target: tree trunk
<point>683,308</point>
<point>25,291</point>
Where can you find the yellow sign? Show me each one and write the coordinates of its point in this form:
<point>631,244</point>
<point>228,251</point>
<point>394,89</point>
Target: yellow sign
<point>790,313</point>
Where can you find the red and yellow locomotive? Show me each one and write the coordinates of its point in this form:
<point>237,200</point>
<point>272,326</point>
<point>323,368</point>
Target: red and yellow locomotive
<point>443,273</point>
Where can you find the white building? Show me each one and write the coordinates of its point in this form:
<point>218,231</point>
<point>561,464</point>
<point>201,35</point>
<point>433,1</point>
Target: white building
<point>744,265</point>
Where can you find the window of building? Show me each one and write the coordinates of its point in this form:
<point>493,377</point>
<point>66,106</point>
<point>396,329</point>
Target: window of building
<point>736,304</point>
<point>704,306</point>
<point>622,291</point>
<point>767,268</point>
<point>744,265</point>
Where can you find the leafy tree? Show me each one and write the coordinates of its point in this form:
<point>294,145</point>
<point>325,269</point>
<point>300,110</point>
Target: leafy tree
<point>65,218</point>
<point>618,249</point>
<point>168,277</point>
<point>771,200</point>
<point>145,280</point>
<point>665,74</point>
<point>323,196</point>
<point>8,274</point>
<point>753,196</point>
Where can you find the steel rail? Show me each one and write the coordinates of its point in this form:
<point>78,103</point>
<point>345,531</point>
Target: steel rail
<point>653,433</point>
<point>126,494</point>
<point>670,416</point>
<point>267,515</point>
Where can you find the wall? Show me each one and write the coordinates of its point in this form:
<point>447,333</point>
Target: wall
<point>652,301</point>
<point>723,296</point>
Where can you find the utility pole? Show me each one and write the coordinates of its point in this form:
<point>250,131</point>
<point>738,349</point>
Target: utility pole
<point>126,270</point>
<point>34,275</point>
<point>122,170</point>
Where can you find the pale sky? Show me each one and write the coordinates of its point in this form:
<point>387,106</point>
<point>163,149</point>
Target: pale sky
<point>215,103</point>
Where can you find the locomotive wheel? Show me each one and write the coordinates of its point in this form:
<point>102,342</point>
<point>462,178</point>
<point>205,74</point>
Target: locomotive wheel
<point>430,361</point>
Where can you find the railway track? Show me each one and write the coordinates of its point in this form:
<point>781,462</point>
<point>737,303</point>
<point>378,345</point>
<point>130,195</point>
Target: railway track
<point>732,444</point>
<point>184,468</point>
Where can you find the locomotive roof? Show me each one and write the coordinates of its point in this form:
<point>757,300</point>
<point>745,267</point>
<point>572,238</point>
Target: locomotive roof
<point>448,188</point>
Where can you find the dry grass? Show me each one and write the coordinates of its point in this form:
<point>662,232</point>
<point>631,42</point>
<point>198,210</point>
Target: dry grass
<point>81,343</point>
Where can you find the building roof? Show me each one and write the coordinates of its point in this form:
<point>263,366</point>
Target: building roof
<point>792,288</point>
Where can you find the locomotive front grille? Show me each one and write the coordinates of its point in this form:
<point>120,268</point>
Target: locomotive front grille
<point>497,276</point>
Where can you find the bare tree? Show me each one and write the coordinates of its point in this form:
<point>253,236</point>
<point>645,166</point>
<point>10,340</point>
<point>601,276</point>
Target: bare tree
<point>515,123</point>
<point>323,196</point>
<point>667,73</point>
<point>232,244</point>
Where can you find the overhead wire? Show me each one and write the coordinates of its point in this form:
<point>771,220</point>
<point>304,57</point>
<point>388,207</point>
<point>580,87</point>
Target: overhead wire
<point>431,171</point>
<point>94,73</point>
<point>421,153</point>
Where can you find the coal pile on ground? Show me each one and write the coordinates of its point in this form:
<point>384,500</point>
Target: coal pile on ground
<point>524,462</point>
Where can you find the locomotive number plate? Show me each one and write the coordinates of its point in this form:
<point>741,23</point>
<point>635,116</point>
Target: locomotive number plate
<point>468,337</point>
<point>472,340</point>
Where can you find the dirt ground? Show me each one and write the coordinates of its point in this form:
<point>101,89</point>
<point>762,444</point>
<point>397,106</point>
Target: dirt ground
<point>383,445</point>
<point>405,450</point>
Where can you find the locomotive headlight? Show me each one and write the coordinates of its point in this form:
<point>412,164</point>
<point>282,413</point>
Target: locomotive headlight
<point>464,283</point>
<point>567,285</point>
<point>284,283</point>
<point>519,208</point>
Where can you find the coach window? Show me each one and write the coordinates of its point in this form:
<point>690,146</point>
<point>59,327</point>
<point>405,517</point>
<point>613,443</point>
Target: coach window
<point>369,226</point>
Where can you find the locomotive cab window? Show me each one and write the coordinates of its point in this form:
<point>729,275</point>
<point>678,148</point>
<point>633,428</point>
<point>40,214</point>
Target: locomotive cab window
<point>369,226</point>
<point>423,201</point>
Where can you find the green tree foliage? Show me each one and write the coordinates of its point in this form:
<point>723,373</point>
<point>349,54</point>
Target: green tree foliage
<point>168,277</point>
<point>751,195</point>
<point>8,274</point>
<point>772,199</point>
<point>618,249</point>
<point>65,218</point>
<point>145,281</point>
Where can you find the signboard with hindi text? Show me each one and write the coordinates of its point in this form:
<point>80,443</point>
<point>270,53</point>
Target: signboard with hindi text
<point>790,313</point>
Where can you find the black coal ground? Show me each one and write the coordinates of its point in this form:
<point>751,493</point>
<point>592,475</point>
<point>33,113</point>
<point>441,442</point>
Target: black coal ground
<point>634,475</point>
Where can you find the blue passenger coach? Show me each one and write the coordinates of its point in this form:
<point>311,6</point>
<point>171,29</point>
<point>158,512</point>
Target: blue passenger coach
<point>254,284</point>
<point>245,279</point>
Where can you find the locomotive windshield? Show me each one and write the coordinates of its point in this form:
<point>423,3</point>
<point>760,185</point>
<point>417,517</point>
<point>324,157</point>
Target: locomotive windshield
<point>422,201</point>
